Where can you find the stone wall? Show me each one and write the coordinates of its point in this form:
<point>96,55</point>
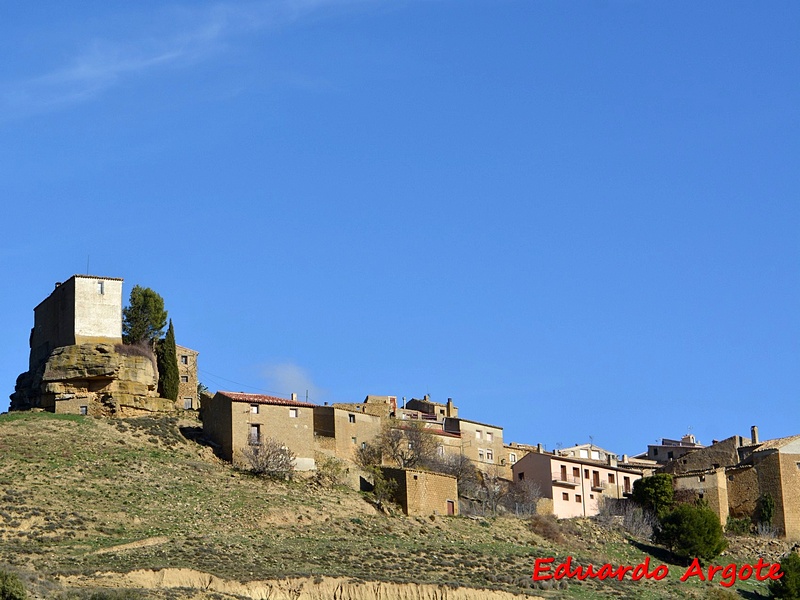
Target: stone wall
<point>743,491</point>
<point>790,479</point>
<point>769,482</point>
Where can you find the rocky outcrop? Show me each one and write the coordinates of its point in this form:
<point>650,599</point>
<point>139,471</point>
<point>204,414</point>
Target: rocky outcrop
<point>108,380</point>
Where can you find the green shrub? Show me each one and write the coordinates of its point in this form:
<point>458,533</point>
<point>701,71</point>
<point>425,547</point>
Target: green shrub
<point>11,587</point>
<point>692,531</point>
<point>330,471</point>
<point>787,586</point>
<point>654,493</point>
<point>738,526</point>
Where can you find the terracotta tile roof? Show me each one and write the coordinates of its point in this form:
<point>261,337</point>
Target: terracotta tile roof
<point>263,399</point>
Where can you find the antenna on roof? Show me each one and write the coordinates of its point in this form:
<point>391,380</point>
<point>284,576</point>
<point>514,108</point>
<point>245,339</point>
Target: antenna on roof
<point>87,264</point>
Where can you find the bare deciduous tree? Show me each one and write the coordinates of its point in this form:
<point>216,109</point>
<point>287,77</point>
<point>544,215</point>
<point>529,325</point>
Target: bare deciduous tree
<point>523,496</point>
<point>270,458</point>
<point>408,445</point>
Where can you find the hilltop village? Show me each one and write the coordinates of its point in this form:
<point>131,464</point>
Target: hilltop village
<point>78,364</point>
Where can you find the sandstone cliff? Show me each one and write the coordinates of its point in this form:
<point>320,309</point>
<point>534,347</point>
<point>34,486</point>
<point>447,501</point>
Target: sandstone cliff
<point>106,379</point>
<point>320,588</point>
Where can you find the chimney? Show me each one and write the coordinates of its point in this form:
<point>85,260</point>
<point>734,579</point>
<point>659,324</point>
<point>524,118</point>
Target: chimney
<point>612,460</point>
<point>754,434</point>
<point>449,407</point>
<point>624,459</point>
<point>294,397</point>
<point>539,448</point>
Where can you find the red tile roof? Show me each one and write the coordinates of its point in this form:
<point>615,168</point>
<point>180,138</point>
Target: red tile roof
<point>262,399</point>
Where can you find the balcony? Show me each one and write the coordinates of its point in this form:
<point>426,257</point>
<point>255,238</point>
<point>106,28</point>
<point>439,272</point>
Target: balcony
<point>566,480</point>
<point>599,486</point>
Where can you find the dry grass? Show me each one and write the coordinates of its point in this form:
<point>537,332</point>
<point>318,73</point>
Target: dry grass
<point>80,495</point>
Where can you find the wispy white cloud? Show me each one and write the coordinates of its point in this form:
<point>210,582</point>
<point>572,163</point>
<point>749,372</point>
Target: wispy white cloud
<point>185,38</point>
<point>287,378</point>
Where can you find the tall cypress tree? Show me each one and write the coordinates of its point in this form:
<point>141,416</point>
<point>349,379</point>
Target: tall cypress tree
<point>168,376</point>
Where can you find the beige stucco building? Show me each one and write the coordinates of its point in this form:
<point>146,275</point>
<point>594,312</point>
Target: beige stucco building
<point>85,309</point>
<point>575,485</point>
<point>235,420</point>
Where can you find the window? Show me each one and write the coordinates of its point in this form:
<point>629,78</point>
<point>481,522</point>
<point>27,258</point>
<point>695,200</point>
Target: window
<point>591,496</point>
<point>576,472</point>
<point>354,440</point>
<point>351,418</point>
<point>512,458</point>
<point>610,478</point>
<point>701,478</point>
<point>254,409</point>
<point>363,445</point>
<point>480,454</point>
<point>627,482</point>
<point>184,379</point>
<point>293,413</point>
<point>101,288</point>
<point>489,436</point>
<point>440,450</point>
<point>564,496</point>
<point>478,434</point>
<point>669,455</point>
<point>187,403</point>
<point>595,455</point>
<point>490,456</point>
<point>586,473</point>
<point>521,476</point>
<point>577,497</point>
<point>84,410</point>
<point>255,434</point>
<point>184,359</point>
<point>655,451</point>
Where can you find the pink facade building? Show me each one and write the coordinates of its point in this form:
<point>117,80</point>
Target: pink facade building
<point>575,485</point>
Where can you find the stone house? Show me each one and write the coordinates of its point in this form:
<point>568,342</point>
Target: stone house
<point>342,432</point>
<point>433,410</point>
<point>669,449</point>
<point>479,442</point>
<point>733,475</point>
<point>236,420</point>
<point>725,453</point>
<point>422,493</point>
<point>574,486</point>
<point>187,378</point>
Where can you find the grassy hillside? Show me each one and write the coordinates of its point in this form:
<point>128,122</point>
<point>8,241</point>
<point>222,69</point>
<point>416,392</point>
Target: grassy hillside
<point>80,496</point>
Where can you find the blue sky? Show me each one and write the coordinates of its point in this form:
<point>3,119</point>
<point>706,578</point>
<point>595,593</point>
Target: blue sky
<point>578,220</point>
